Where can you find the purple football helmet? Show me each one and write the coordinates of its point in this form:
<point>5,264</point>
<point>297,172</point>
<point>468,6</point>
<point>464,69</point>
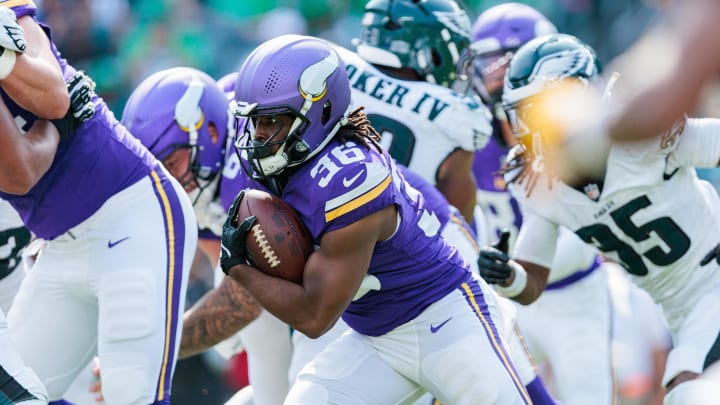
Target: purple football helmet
<point>227,84</point>
<point>181,108</point>
<point>496,34</point>
<point>296,75</point>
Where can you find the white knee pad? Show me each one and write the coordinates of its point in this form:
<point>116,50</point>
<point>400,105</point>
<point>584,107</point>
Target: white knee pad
<point>695,392</point>
<point>125,325</point>
<point>124,379</point>
<point>129,305</point>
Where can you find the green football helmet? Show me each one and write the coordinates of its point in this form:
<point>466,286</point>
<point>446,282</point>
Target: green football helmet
<point>427,36</point>
<point>540,64</point>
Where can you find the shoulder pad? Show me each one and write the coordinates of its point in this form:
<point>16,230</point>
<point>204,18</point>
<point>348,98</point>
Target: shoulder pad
<point>469,123</point>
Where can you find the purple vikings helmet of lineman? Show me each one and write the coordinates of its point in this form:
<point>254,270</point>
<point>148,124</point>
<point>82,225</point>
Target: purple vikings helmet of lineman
<point>181,108</point>
<point>227,84</point>
<point>296,75</point>
<point>496,34</point>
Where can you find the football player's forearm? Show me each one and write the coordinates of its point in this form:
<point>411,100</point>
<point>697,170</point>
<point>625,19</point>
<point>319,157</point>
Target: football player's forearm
<point>27,157</point>
<point>536,282</point>
<point>659,104</point>
<point>217,316</point>
<point>456,182</point>
<point>36,83</point>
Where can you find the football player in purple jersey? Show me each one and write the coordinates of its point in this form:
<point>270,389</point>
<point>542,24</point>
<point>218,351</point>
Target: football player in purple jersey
<point>453,228</point>
<point>581,375</point>
<point>119,231</point>
<point>181,116</point>
<point>419,320</point>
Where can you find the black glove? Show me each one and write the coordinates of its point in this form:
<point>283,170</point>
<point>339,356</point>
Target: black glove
<point>233,248</point>
<point>714,253</point>
<point>82,107</point>
<point>493,261</point>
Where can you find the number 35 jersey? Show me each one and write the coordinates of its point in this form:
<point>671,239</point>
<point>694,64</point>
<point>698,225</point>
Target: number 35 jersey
<point>421,123</point>
<point>651,214</point>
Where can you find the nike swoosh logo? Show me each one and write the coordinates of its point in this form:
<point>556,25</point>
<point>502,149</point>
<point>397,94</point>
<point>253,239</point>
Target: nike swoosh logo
<point>434,329</point>
<point>376,175</point>
<point>112,244</point>
<point>348,182</point>
<point>668,176</point>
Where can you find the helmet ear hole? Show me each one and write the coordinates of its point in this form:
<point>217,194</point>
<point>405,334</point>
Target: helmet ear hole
<point>436,57</point>
<point>326,111</point>
<point>213,131</point>
<point>392,25</point>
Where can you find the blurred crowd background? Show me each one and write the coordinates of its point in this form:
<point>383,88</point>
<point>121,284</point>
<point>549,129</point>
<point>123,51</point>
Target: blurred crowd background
<point>120,42</point>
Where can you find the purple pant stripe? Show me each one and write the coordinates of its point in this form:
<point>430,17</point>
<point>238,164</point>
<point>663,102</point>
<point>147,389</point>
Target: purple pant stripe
<point>476,300</point>
<point>175,241</point>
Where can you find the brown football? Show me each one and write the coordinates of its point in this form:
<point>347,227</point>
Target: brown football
<point>279,243</point>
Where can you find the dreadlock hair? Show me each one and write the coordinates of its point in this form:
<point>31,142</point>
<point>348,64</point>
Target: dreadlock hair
<point>523,168</point>
<point>360,130</point>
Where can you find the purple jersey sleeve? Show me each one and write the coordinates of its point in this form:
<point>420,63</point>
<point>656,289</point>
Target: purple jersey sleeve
<point>21,7</point>
<point>436,202</point>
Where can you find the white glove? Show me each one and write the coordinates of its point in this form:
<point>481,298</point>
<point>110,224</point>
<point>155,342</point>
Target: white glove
<point>12,41</point>
<point>12,36</point>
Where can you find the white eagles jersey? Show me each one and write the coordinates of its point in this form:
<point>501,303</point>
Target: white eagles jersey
<point>652,214</point>
<point>9,218</point>
<point>421,123</point>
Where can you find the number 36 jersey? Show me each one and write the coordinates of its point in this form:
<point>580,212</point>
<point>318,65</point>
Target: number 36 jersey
<point>651,214</point>
<point>421,123</point>
<point>408,272</point>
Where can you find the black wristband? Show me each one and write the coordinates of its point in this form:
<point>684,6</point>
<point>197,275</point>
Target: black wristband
<point>228,263</point>
<point>65,125</point>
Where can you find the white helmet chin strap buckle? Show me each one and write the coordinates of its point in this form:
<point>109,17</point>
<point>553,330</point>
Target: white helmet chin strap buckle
<point>273,164</point>
<point>241,108</point>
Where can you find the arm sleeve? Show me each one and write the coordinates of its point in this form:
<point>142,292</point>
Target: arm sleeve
<point>537,240</point>
<point>697,144</point>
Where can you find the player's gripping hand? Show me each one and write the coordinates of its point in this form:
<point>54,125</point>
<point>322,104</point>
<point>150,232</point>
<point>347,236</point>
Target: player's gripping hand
<point>714,253</point>
<point>81,89</point>
<point>12,36</point>
<point>494,263</point>
<point>82,107</point>
<point>233,249</point>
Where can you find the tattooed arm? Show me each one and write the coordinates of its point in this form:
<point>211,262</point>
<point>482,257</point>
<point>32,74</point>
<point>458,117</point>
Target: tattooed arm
<point>217,316</point>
